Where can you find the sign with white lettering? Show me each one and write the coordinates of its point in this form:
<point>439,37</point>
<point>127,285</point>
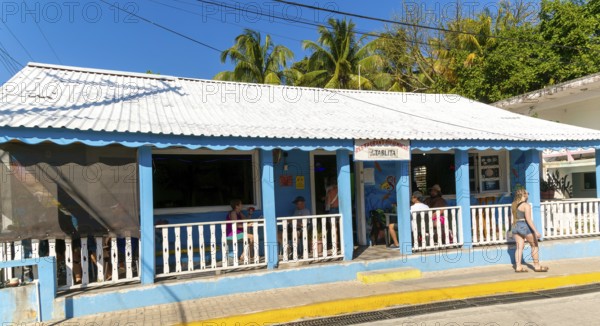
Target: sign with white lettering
<point>381,150</point>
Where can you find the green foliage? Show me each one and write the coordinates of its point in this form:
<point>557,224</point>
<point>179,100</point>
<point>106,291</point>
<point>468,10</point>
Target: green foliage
<point>488,56</point>
<point>560,183</point>
<point>254,61</point>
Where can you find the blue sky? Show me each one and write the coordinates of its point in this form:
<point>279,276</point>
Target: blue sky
<point>92,34</point>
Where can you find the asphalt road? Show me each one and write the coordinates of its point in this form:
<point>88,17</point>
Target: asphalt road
<point>573,310</point>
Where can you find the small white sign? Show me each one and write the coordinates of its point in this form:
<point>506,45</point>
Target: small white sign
<point>381,150</point>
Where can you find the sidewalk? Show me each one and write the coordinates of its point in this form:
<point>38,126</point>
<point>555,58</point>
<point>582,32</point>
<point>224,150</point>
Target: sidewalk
<point>289,304</point>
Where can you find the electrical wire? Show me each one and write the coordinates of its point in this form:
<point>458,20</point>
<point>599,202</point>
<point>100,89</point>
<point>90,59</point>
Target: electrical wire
<point>7,56</point>
<point>24,4</point>
<point>226,22</point>
<point>356,31</point>
<point>17,39</point>
<point>189,38</point>
<point>439,29</point>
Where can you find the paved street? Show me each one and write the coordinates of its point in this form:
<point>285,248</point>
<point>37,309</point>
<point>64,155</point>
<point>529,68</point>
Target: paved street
<point>575,310</point>
<point>318,300</point>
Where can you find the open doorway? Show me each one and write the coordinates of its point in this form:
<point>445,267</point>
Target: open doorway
<point>324,171</point>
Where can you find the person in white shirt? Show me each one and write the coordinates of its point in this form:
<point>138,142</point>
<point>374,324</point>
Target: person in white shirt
<point>417,205</point>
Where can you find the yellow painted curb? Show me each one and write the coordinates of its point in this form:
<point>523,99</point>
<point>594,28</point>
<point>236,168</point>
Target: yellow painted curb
<point>376,302</point>
<point>388,275</point>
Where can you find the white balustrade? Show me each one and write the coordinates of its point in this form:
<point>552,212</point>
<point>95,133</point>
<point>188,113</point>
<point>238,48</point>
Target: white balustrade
<point>490,223</point>
<point>206,247</point>
<point>80,265</point>
<point>436,228</point>
<point>310,238</point>
<point>570,218</point>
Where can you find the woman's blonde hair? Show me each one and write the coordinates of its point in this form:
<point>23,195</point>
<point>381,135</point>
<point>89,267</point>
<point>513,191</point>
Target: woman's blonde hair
<point>519,194</point>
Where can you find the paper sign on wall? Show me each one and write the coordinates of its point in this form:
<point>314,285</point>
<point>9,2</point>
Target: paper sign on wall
<point>381,150</point>
<point>369,176</point>
<point>299,182</point>
<point>285,180</point>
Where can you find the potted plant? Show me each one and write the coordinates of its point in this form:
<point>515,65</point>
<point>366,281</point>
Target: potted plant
<point>561,184</point>
<point>547,188</point>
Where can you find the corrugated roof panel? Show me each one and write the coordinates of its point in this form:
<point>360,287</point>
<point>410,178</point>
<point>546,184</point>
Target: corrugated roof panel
<point>101,100</point>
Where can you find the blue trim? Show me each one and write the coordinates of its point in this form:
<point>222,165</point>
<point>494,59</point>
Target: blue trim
<point>345,200</point>
<point>103,138</point>
<point>146,215</point>
<point>532,184</point>
<point>447,145</point>
<point>403,206</point>
<point>96,138</point>
<point>463,194</point>
<point>46,279</point>
<point>268,201</point>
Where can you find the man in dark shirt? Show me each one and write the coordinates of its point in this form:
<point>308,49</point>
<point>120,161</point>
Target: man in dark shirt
<point>435,199</point>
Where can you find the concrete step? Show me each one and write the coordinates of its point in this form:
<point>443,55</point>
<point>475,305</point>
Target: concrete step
<point>388,275</point>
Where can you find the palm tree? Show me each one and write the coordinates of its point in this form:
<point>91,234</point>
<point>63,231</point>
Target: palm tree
<point>337,57</point>
<point>255,62</point>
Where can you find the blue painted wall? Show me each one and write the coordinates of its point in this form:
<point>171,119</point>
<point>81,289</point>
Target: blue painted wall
<point>382,194</point>
<point>298,163</point>
<point>18,305</point>
<point>517,169</point>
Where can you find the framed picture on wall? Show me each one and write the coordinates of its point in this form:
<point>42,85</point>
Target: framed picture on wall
<point>489,173</point>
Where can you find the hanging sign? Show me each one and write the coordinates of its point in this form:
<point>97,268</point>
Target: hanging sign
<point>299,182</point>
<point>381,150</point>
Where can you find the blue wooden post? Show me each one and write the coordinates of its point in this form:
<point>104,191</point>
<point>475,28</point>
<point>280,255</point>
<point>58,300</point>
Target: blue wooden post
<point>532,184</point>
<point>403,207</point>
<point>597,172</point>
<point>47,280</point>
<point>598,177</point>
<point>47,285</point>
<point>345,201</point>
<point>463,195</point>
<point>147,262</point>
<point>268,207</point>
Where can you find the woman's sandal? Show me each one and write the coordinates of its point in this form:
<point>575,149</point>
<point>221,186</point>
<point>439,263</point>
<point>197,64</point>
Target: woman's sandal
<point>541,269</point>
<point>521,270</point>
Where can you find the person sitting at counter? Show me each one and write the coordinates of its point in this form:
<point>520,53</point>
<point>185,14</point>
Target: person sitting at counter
<point>416,205</point>
<point>236,215</point>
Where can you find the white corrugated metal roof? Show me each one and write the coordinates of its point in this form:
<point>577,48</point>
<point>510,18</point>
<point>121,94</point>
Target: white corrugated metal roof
<point>49,96</point>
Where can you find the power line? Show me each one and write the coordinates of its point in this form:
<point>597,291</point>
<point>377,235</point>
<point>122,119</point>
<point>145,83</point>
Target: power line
<point>370,34</point>
<point>18,41</point>
<point>439,29</point>
<point>356,31</point>
<point>44,35</point>
<point>5,52</point>
<point>161,26</point>
<point>215,19</point>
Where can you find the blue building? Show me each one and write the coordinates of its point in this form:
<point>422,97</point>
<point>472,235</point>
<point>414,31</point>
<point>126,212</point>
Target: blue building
<point>118,178</point>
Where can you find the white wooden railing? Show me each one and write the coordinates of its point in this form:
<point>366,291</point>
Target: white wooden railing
<point>181,242</point>
<point>310,238</point>
<point>108,263</point>
<point>490,223</point>
<point>570,218</point>
<point>436,228</point>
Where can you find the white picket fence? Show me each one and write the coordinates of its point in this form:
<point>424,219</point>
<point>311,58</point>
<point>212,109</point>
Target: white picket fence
<point>181,242</point>
<point>436,228</point>
<point>310,238</point>
<point>489,224</point>
<point>570,218</point>
<point>108,263</point>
